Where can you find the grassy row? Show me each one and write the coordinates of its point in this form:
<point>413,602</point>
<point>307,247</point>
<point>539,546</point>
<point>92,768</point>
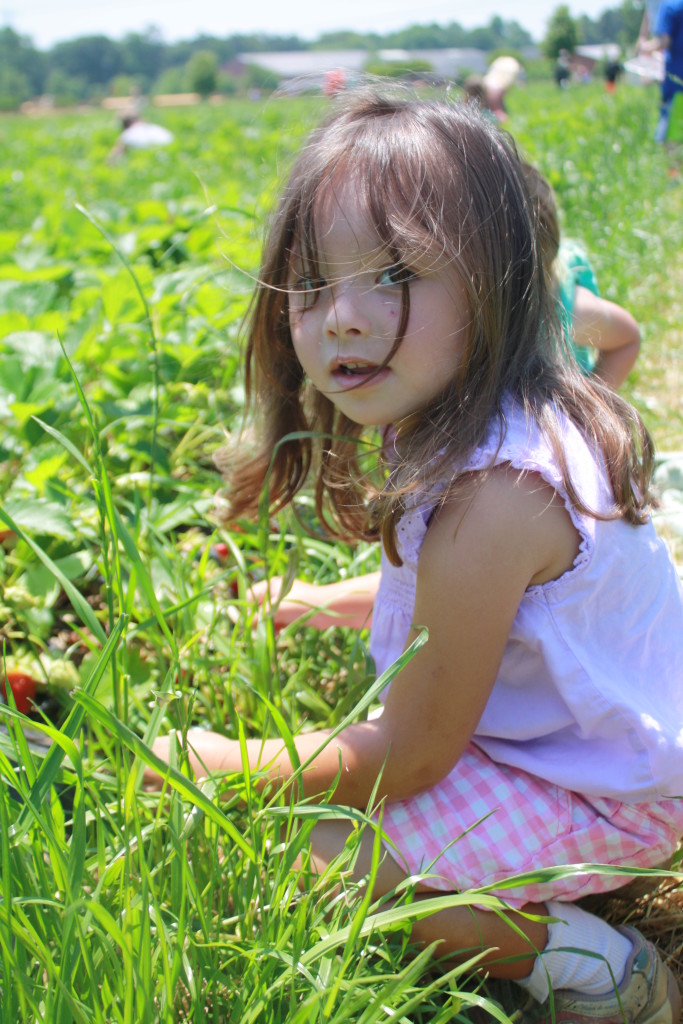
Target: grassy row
<point>121,592</point>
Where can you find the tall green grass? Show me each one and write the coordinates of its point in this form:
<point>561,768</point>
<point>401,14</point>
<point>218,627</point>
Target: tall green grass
<point>122,288</point>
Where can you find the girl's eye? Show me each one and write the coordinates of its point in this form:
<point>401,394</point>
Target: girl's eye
<point>398,274</point>
<point>304,283</point>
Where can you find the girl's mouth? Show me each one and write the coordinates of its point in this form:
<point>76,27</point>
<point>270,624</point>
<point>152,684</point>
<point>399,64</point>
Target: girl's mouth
<point>355,369</point>
<point>356,372</point>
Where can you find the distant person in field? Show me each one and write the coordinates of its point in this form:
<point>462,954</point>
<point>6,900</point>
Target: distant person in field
<point>334,82</point>
<point>402,309</point>
<point>668,37</point>
<point>502,74</point>
<point>474,89</point>
<point>139,134</point>
<point>613,70</point>
<point>562,72</point>
<point>604,337</point>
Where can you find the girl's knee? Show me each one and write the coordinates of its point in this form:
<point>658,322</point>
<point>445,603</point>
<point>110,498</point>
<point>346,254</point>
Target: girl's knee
<point>341,850</point>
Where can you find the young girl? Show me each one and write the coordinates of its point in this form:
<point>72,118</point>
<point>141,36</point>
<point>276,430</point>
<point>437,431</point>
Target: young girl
<point>603,336</point>
<point>542,722</point>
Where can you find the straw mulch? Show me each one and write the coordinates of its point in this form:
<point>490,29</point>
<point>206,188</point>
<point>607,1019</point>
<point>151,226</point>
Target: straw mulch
<point>657,914</point>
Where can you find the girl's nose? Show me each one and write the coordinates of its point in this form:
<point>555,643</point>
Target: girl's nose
<point>345,315</point>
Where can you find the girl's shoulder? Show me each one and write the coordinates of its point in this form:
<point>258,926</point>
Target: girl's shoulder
<point>515,450</point>
<point>518,440</point>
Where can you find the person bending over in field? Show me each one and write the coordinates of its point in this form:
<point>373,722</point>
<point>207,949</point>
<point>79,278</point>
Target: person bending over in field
<point>541,724</point>
<point>139,134</point>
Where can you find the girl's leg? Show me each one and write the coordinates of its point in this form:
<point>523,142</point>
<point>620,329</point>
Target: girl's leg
<point>597,973</point>
<point>461,931</point>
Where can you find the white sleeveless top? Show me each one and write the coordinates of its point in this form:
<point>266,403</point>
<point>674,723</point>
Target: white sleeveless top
<point>589,694</point>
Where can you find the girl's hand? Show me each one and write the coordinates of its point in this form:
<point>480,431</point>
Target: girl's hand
<point>345,603</point>
<point>300,599</point>
<point>211,753</point>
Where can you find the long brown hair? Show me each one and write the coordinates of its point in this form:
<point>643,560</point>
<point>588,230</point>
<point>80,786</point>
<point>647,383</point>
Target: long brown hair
<point>545,211</point>
<point>439,179</point>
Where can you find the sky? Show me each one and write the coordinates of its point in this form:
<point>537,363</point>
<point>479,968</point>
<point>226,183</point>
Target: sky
<point>46,22</point>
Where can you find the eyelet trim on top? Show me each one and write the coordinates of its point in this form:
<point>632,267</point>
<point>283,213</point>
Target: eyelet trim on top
<point>412,527</point>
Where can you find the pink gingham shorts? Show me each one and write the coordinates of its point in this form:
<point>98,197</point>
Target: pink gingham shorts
<point>486,821</point>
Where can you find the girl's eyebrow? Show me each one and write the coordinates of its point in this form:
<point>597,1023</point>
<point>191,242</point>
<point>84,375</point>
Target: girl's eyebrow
<point>373,260</point>
<point>381,257</point>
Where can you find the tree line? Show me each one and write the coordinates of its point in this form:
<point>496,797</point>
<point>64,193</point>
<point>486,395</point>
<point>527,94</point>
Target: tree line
<point>90,67</point>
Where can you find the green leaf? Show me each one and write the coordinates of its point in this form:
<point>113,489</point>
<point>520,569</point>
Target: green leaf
<point>44,518</point>
<point>41,582</point>
<point>30,298</point>
<point>79,604</point>
<point>31,348</point>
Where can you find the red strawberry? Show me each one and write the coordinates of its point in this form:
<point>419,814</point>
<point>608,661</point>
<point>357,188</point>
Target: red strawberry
<point>23,688</point>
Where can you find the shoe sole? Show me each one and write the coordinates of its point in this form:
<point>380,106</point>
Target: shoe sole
<point>670,1012</point>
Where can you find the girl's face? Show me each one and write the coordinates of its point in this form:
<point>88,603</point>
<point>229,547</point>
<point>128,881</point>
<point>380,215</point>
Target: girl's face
<point>344,317</point>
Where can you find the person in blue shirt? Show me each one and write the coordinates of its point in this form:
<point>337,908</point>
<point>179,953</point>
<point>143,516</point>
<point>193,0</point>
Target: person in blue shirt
<point>668,36</point>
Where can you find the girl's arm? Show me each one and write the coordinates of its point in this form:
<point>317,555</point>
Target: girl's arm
<point>611,330</point>
<point>480,554</point>
<point>345,603</point>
